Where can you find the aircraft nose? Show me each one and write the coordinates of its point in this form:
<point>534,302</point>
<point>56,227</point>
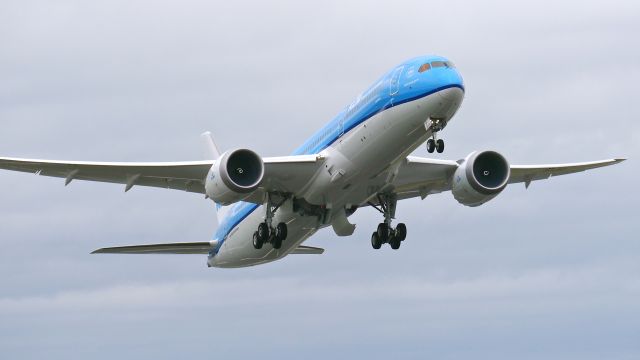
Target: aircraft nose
<point>452,94</point>
<point>451,80</point>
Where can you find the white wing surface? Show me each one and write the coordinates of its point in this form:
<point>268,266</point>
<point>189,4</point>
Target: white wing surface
<point>188,176</point>
<point>422,176</point>
<point>286,174</point>
<point>528,173</point>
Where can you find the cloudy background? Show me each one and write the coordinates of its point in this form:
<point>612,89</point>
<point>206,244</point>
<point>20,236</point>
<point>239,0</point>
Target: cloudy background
<point>552,272</point>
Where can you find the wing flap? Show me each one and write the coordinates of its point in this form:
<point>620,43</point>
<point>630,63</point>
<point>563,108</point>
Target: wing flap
<point>170,248</point>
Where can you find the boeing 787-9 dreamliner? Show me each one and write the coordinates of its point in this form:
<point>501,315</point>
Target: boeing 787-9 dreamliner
<point>267,207</point>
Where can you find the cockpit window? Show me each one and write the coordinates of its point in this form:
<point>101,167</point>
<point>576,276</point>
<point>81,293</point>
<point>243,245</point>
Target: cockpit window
<point>424,67</point>
<point>437,64</point>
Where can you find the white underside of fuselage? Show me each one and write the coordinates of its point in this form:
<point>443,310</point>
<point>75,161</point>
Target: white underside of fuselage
<point>358,166</point>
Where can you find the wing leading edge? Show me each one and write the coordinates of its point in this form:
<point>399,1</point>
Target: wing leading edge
<point>422,176</point>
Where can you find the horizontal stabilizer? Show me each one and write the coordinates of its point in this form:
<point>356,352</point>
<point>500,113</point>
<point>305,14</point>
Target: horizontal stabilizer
<point>308,250</point>
<point>174,248</point>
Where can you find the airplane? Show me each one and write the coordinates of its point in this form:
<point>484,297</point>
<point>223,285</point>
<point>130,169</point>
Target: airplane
<point>268,206</point>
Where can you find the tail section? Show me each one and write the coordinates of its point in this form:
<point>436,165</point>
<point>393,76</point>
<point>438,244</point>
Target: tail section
<point>212,151</point>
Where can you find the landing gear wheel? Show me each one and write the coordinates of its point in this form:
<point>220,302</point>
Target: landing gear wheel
<point>401,231</point>
<point>383,232</point>
<point>281,231</point>
<point>395,243</point>
<point>257,244</point>
<point>431,145</point>
<point>263,232</point>
<point>375,241</point>
<point>276,242</point>
<point>440,145</point>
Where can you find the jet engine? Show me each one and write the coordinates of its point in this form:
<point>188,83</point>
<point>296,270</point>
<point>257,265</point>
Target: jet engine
<point>234,176</point>
<point>480,177</point>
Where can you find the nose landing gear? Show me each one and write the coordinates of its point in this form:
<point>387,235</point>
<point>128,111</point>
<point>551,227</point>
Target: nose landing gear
<point>385,233</point>
<point>435,144</point>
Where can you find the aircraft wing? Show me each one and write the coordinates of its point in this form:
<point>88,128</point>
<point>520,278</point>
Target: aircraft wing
<point>282,174</point>
<point>188,176</point>
<point>422,176</point>
<point>528,173</point>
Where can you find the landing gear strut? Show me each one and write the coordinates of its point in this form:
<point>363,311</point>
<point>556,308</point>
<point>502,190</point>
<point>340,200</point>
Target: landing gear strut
<point>385,234</point>
<point>266,233</point>
<point>434,143</point>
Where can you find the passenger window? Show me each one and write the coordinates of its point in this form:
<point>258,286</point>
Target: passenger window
<point>424,67</point>
<point>437,64</point>
<point>450,65</point>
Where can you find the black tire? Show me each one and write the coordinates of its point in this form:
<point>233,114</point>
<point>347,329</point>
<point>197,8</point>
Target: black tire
<point>375,241</point>
<point>257,244</point>
<point>281,231</point>
<point>383,232</point>
<point>440,145</point>
<point>431,145</point>
<point>263,232</point>
<point>395,243</point>
<point>401,231</point>
<point>277,243</point>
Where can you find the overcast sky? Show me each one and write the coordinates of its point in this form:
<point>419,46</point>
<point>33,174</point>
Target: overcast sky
<point>552,272</point>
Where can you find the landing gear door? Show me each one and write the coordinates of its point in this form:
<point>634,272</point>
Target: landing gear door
<point>394,82</point>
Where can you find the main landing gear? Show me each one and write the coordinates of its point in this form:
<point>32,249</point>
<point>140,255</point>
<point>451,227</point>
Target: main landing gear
<point>266,233</point>
<point>385,234</point>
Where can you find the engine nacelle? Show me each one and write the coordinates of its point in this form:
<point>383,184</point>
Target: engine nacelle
<point>480,178</point>
<point>234,176</point>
